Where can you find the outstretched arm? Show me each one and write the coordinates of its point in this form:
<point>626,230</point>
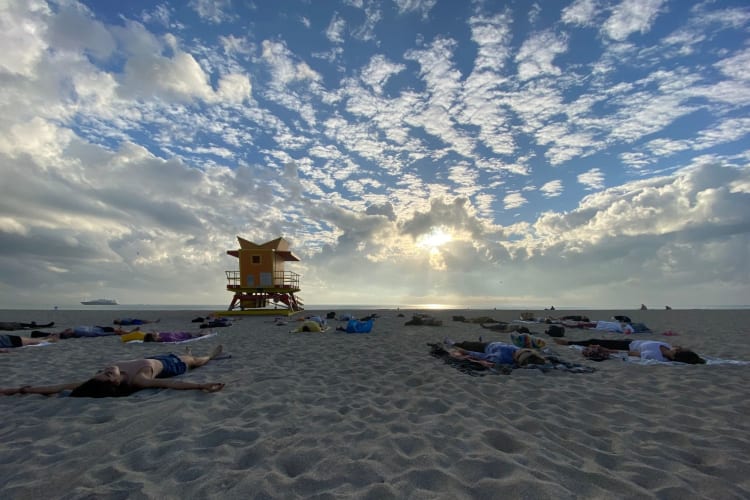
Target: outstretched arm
<point>43,389</point>
<point>144,383</point>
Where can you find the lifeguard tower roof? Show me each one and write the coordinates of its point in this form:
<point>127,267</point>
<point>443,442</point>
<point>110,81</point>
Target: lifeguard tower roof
<point>280,245</point>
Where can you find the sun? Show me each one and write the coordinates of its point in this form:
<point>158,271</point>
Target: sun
<point>437,237</point>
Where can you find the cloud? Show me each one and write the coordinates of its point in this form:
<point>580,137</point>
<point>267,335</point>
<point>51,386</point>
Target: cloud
<point>20,28</point>
<point>335,30</point>
<point>423,6</point>
<point>592,179</point>
<point>537,53</point>
<point>141,149</point>
<point>378,71</point>
<point>514,200</point>
<point>552,189</point>
<point>213,11</point>
<point>631,16</point>
<point>580,12</point>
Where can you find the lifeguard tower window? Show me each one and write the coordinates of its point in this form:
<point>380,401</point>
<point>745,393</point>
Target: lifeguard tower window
<point>256,259</point>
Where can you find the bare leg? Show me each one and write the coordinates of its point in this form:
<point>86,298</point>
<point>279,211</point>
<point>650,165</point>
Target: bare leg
<point>196,361</point>
<point>29,341</point>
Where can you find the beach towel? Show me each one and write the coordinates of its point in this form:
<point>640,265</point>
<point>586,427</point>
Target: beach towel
<point>355,326</point>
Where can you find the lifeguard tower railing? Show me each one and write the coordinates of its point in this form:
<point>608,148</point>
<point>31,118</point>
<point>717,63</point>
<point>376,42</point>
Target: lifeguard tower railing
<point>282,280</point>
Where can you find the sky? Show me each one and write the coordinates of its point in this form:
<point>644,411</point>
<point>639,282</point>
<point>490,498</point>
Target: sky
<point>473,154</point>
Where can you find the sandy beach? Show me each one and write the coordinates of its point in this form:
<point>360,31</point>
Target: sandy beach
<point>336,415</point>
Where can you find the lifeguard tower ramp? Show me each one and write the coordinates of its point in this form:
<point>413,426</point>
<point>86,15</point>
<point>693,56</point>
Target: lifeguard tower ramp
<point>262,286</point>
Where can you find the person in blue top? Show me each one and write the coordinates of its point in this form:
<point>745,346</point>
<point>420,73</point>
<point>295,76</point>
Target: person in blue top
<point>492,353</point>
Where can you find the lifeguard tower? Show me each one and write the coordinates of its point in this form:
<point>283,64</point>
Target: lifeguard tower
<point>262,286</point>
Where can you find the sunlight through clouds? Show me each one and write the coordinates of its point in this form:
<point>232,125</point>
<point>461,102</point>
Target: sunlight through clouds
<point>561,145</point>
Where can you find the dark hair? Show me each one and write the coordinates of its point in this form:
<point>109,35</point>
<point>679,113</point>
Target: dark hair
<point>93,388</point>
<point>149,337</point>
<point>688,357</point>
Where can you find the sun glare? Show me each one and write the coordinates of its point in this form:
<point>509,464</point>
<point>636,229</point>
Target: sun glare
<point>437,237</point>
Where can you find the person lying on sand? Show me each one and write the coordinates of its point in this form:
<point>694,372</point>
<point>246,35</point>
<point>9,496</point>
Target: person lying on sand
<point>12,341</point>
<point>133,321</point>
<point>83,331</point>
<point>123,378</point>
<point>172,336</point>
<point>502,326</point>
<point>492,353</point>
<point>645,349</point>
<point>15,325</point>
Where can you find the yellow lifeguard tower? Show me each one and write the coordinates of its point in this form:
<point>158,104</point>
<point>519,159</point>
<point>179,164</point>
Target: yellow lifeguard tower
<point>262,286</point>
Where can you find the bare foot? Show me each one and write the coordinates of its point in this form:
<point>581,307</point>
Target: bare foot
<point>213,386</point>
<point>560,341</point>
<point>217,350</point>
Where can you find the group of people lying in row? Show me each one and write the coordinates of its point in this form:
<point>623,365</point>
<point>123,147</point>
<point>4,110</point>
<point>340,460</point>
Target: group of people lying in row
<point>617,324</point>
<point>9,341</point>
<point>501,353</point>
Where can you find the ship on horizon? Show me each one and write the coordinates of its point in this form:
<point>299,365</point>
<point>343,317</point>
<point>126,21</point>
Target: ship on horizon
<point>99,302</point>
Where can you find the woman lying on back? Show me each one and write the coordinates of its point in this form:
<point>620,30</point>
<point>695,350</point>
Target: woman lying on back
<point>126,377</point>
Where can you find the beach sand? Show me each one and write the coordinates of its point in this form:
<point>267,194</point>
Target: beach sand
<point>335,415</point>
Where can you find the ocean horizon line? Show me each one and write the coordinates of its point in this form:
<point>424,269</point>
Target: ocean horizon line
<point>368,307</point>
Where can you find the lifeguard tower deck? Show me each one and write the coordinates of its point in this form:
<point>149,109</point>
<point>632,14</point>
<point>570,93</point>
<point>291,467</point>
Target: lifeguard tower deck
<point>262,286</point>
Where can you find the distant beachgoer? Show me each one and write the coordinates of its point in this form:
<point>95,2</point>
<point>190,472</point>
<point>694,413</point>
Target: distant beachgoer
<point>133,321</point>
<point>644,349</point>
<point>492,353</point>
<point>216,323</point>
<point>13,341</point>
<point>172,336</point>
<point>83,331</point>
<point>15,325</point>
<point>123,378</point>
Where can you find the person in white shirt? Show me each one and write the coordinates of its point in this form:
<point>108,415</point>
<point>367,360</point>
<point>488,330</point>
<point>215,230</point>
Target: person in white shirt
<point>645,349</point>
